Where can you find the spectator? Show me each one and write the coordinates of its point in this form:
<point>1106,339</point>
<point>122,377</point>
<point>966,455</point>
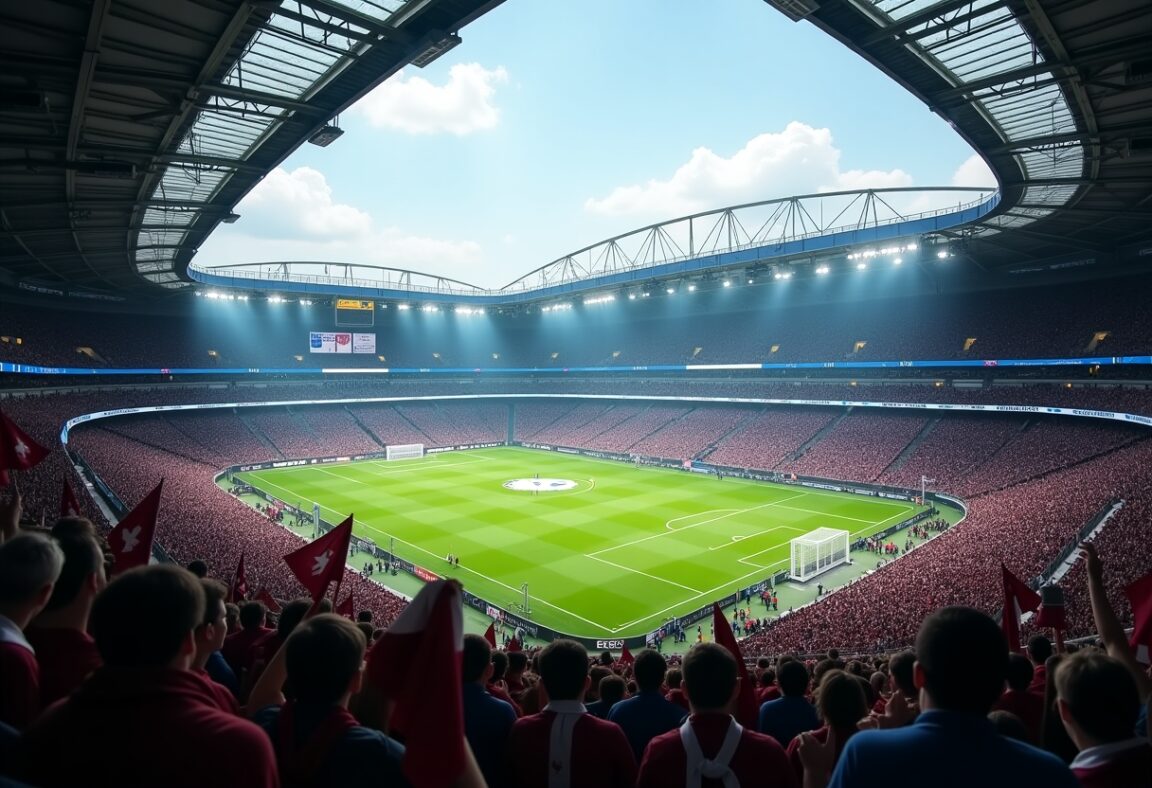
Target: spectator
<point>1020,700</point>
<point>563,745</point>
<point>65,652</point>
<point>210,636</point>
<point>1039,649</point>
<point>1099,703</point>
<point>961,662</point>
<point>317,741</point>
<point>840,700</point>
<point>1008,724</point>
<point>648,713</point>
<point>675,691</point>
<point>198,568</point>
<point>612,690</point>
<point>238,648</point>
<point>497,687</point>
<point>711,748</point>
<point>30,564</point>
<point>487,720</point>
<point>144,719</point>
<point>514,676</point>
<point>787,717</point>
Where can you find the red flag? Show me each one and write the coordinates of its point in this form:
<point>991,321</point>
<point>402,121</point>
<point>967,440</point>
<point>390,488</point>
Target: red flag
<point>747,709</point>
<point>626,657</point>
<point>1051,608</point>
<point>69,505</point>
<point>269,601</point>
<point>18,452</point>
<point>417,664</point>
<point>345,607</point>
<point>514,645</point>
<point>1139,594</point>
<point>131,539</point>
<point>490,635</point>
<point>1018,598</point>
<point>238,591</point>
<point>322,560</point>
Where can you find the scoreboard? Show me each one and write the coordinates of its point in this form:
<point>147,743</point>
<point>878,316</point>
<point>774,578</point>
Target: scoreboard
<point>355,312</point>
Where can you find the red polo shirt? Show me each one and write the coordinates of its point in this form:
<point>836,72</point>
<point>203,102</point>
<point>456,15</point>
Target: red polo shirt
<point>759,762</point>
<point>239,649</point>
<point>601,757</point>
<point>222,697</point>
<point>144,727</point>
<point>1026,705</point>
<point>19,685</point>
<point>66,657</point>
<point>678,697</point>
<point>1121,765</point>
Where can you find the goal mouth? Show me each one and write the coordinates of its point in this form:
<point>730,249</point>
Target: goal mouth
<point>539,485</point>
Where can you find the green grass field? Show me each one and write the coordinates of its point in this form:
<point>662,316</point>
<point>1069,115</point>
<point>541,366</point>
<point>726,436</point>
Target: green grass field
<point>615,550</point>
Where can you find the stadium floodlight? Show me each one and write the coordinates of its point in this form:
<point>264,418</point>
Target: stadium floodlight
<point>631,296</point>
<point>822,270</point>
<point>727,283</point>
<point>691,288</point>
<point>306,302</point>
<point>429,308</point>
<point>671,291</point>
<point>897,261</point>
<point>403,307</point>
<point>942,254</point>
<point>861,266</point>
<point>600,299</point>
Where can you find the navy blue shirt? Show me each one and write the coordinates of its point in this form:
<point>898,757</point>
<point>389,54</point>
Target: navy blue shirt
<point>645,716</point>
<point>487,723</point>
<point>221,672</point>
<point>362,756</point>
<point>786,718</point>
<point>945,749</point>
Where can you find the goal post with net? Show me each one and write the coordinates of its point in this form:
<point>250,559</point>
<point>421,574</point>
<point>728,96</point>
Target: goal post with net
<point>404,451</point>
<point>818,551</point>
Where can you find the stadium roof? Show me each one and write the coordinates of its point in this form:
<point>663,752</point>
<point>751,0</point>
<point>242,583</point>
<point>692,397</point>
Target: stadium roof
<point>126,136</point>
<point>1056,95</point>
<point>129,129</point>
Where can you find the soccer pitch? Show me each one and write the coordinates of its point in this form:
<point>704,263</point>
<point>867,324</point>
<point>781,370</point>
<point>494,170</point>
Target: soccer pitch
<point>606,548</point>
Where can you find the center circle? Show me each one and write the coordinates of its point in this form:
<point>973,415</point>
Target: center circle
<point>540,485</point>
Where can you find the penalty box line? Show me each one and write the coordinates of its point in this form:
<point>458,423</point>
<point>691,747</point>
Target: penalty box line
<point>427,552</point>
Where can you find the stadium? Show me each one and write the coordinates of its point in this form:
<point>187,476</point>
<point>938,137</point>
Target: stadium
<point>817,418</point>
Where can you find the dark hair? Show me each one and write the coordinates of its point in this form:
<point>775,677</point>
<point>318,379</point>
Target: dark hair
<point>900,668</point>
<point>215,593</point>
<point>768,677</point>
<point>252,615</point>
<point>75,526</point>
<point>476,656</point>
<point>648,669</point>
<point>517,661</point>
<point>198,568</point>
<point>674,677</point>
<point>1020,672</point>
<point>499,665</point>
<point>792,678</point>
<point>595,674</point>
<point>1039,648</point>
<point>144,616</point>
<point>964,658</point>
<point>82,558</point>
<point>563,669</point>
<point>840,699</point>
<point>323,655</point>
<point>606,658</point>
<point>612,689</point>
<point>290,616</point>
<point>1008,724</point>
<point>1100,694</point>
<point>709,676</point>
<point>366,630</point>
<point>364,616</point>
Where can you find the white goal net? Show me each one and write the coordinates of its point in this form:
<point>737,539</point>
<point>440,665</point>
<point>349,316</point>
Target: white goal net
<point>404,451</point>
<point>818,551</point>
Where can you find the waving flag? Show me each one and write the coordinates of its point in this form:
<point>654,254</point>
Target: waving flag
<point>1018,599</point>
<point>321,561</point>
<point>626,657</point>
<point>69,505</point>
<point>346,608</point>
<point>269,601</point>
<point>747,709</point>
<point>131,539</point>
<point>238,591</point>
<point>417,664</point>
<point>18,452</point>
<point>1139,594</point>
<point>490,635</point>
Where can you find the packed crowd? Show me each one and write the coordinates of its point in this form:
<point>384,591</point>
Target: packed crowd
<point>154,677</point>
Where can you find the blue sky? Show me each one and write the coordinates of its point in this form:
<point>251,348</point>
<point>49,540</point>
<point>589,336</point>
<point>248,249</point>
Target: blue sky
<point>556,125</point>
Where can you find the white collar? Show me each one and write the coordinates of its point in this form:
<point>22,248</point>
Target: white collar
<point>565,707</point>
<point>10,633</point>
<point>1101,754</point>
<point>698,767</point>
<point>568,713</point>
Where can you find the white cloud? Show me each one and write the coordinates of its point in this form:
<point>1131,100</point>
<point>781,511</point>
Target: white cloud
<point>973,172</point>
<point>414,105</point>
<point>798,160</point>
<point>292,215</point>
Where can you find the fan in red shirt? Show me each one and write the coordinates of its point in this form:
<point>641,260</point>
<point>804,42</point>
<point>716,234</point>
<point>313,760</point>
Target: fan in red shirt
<point>210,634</point>
<point>144,718</point>
<point>239,649</point>
<point>1099,704</point>
<point>711,750</point>
<point>563,746</point>
<point>1018,700</point>
<point>65,652</point>
<point>841,702</point>
<point>30,563</point>
<point>675,693</point>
